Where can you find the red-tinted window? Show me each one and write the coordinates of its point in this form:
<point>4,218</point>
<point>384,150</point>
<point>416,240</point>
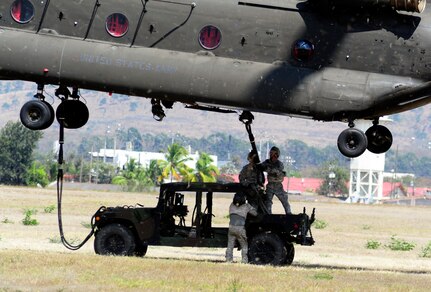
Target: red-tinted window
<point>22,11</point>
<point>210,37</point>
<point>117,25</point>
<point>303,50</point>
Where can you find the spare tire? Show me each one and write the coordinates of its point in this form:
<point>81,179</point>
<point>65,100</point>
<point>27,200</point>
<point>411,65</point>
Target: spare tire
<point>267,249</point>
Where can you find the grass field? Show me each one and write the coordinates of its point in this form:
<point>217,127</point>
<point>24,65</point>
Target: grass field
<point>33,259</point>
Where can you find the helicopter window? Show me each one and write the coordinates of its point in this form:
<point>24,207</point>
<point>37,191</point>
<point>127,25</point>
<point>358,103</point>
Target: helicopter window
<point>209,37</point>
<point>303,50</point>
<point>22,11</point>
<point>117,25</point>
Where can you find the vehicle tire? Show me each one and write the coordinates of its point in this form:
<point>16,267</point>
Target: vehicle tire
<point>115,239</point>
<point>379,139</point>
<point>36,115</point>
<point>141,250</point>
<point>267,249</point>
<point>352,142</point>
<point>290,253</point>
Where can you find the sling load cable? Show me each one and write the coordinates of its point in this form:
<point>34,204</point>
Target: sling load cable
<point>60,194</point>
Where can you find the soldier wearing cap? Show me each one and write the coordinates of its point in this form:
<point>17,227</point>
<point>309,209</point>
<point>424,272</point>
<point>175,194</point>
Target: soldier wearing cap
<point>275,176</point>
<point>238,211</point>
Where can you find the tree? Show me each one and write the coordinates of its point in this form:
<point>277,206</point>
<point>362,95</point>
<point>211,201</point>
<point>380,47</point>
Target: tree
<point>153,172</point>
<point>204,171</point>
<point>335,179</point>
<point>37,175</point>
<point>174,165</point>
<point>17,144</point>
<point>132,178</point>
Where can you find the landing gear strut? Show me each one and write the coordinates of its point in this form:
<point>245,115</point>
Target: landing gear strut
<point>39,114</point>
<point>353,142</point>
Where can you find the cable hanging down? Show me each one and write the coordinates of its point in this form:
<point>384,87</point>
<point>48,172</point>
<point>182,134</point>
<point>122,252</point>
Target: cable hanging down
<point>60,194</point>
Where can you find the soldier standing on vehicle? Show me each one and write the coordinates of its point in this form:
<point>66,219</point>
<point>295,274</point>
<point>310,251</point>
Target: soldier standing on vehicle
<point>275,170</point>
<point>253,179</point>
<point>238,211</point>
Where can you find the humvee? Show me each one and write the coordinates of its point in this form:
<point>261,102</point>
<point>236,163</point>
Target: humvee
<point>128,230</point>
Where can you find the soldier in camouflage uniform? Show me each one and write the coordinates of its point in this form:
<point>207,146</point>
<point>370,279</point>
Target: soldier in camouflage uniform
<point>238,211</point>
<point>275,170</point>
<point>252,178</point>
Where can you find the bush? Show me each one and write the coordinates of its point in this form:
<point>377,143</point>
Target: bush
<point>373,244</point>
<point>27,219</point>
<point>49,209</point>
<point>7,221</point>
<point>400,244</point>
<point>426,251</point>
<point>320,224</point>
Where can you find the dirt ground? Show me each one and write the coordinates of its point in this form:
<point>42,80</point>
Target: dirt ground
<point>341,244</point>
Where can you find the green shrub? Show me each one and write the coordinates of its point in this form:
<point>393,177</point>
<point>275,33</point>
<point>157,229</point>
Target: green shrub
<point>323,276</point>
<point>373,244</point>
<point>7,221</point>
<point>319,224</point>
<point>426,251</point>
<point>86,225</point>
<point>49,209</point>
<point>27,219</point>
<point>366,227</point>
<point>400,244</point>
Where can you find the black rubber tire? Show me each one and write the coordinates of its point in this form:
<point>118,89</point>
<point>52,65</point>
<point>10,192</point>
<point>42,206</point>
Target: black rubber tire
<point>379,139</point>
<point>141,250</point>
<point>36,115</point>
<point>115,239</point>
<point>73,113</point>
<point>267,249</point>
<point>52,113</point>
<point>290,253</point>
<point>352,142</point>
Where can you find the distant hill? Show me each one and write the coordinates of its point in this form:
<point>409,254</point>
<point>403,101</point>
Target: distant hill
<point>411,130</point>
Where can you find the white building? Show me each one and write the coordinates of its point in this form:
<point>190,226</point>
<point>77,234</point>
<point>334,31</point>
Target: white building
<point>120,157</point>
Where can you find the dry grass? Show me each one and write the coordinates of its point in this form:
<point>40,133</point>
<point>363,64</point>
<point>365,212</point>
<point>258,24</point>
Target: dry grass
<point>338,261</point>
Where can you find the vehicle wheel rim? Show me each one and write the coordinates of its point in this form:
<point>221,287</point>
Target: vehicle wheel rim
<point>264,253</point>
<point>115,244</point>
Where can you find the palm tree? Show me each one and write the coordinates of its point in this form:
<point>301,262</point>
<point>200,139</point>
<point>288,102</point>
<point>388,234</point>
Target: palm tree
<point>204,170</point>
<point>174,165</point>
<point>133,177</point>
<point>153,172</point>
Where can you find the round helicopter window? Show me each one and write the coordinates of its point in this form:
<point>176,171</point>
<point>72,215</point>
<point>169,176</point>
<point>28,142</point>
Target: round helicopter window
<point>22,11</point>
<point>303,50</point>
<point>209,37</point>
<point>117,25</point>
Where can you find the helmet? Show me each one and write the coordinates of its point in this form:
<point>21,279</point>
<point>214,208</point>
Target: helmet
<point>239,199</point>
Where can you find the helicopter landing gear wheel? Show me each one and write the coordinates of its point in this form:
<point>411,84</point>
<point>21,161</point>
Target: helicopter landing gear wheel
<point>352,142</point>
<point>37,115</point>
<point>379,139</point>
<point>73,113</point>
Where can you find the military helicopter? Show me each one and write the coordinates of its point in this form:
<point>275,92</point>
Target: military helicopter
<point>328,60</point>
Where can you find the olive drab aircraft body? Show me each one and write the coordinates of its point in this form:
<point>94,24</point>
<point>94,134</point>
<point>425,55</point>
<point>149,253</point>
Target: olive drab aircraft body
<point>328,60</point>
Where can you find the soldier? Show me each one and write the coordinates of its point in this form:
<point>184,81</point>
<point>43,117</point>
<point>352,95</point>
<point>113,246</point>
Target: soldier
<point>275,170</point>
<point>253,179</point>
<point>238,211</point>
